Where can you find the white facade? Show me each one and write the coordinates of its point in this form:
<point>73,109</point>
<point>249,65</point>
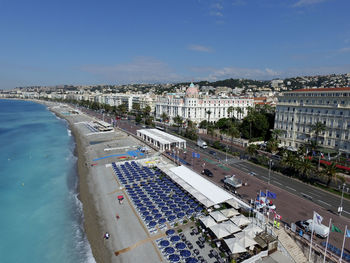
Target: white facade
<point>298,110</point>
<point>162,140</point>
<point>194,107</point>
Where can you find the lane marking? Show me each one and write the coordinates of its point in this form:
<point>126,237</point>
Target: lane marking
<point>307,196</point>
<point>277,182</point>
<point>291,188</point>
<point>346,212</point>
<point>324,203</point>
<point>264,177</point>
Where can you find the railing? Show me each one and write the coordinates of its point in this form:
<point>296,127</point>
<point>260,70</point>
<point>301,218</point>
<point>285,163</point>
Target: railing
<point>256,257</point>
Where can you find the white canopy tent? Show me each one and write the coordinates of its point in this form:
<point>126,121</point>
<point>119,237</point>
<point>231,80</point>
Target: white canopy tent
<point>234,246</point>
<point>207,221</point>
<point>252,230</point>
<point>230,227</point>
<point>230,212</point>
<point>245,240</point>
<point>218,216</point>
<point>240,220</point>
<point>220,231</point>
<point>210,193</point>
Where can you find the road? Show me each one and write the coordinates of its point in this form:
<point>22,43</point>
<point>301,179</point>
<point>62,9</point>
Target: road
<point>295,200</point>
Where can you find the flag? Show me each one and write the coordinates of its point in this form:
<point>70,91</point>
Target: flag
<point>317,218</point>
<point>262,194</point>
<point>335,229</point>
<point>195,155</point>
<point>271,195</point>
<point>347,233</point>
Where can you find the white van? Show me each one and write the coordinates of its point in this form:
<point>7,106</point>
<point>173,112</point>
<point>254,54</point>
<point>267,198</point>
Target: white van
<point>319,229</point>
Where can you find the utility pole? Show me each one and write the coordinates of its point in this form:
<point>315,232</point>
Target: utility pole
<point>340,208</point>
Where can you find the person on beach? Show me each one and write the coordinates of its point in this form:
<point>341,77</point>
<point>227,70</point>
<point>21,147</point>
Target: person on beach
<point>117,216</point>
<point>106,236</point>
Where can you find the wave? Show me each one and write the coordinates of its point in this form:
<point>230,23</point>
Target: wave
<point>69,132</point>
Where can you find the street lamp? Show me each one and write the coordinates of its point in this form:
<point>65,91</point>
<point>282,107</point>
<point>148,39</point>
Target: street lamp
<point>340,208</point>
<point>226,153</point>
<point>270,163</point>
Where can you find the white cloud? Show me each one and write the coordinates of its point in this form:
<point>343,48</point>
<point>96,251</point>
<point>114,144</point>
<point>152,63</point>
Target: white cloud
<point>301,3</point>
<point>235,72</point>
<point>200,48</point>
<point>139,70</point>
<point>344,50</point>
<point>216,13</point>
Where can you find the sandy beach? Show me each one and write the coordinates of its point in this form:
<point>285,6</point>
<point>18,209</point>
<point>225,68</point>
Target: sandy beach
<point>130,241</point>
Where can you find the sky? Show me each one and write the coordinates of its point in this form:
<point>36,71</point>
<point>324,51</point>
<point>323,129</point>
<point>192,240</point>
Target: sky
<point>165,41</point>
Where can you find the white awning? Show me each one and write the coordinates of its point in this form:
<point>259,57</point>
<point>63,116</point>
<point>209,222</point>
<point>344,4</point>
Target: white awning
<point>209,190</point>
<point>208,221</point>
<point>218,216</point>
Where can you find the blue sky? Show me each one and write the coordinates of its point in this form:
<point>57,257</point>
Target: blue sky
<point>115,42</point>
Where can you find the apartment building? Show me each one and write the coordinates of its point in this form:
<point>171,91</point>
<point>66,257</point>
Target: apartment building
<point>298,110</point>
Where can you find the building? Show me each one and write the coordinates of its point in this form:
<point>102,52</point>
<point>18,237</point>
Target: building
<point>162,140</point>
<point>193,106</point>
<point>298,110</point>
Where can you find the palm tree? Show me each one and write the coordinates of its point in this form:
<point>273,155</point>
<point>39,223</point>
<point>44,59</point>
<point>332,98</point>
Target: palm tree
<point>208,112</point>
<point>331,172</point>
<point>252,149</point>
<point>240,112</point>
<point>317,128</point>
<point>289,159</point>
<point>305,167</point>
<point>233,132</point>
<point>178,120</point>
<point>276,133</point>
<point>164,117</point>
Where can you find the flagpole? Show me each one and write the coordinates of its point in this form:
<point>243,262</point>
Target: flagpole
<point>312,234</point>
<point>342,248</point>
<point>329,232</point>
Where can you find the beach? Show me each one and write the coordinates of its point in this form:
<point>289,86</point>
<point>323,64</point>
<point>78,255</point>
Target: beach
<point>98,190</point>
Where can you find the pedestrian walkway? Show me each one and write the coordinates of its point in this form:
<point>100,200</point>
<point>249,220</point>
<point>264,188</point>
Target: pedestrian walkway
<point>289,244</point>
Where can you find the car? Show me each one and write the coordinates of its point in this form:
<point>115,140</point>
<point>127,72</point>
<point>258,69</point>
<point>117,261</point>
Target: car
<point>207,172</point>
<point>252,174</point>
<point>212,153</point>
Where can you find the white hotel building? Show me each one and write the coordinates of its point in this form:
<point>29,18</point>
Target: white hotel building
<point>193,107</point>
<point>298,110</point>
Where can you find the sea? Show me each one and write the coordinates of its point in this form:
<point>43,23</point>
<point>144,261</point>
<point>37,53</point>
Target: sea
<point>41,217</point>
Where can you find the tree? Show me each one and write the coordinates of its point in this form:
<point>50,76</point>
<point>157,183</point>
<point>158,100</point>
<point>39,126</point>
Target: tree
<point>208,112</point>
<point>211,131</point>
<point>317,128</point>
<point>330,171</point>
<point>136,107</point>
<point>203,124</point>
<point>252,149</point>
<point>233,132</point>
<point>305,167</point>
<point>164,117</point>
<point>230,111</point>
<point>178,120</point>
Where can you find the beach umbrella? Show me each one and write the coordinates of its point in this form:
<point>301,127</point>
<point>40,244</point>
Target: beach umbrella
<point>164,243</point>
<point>146,213</point>
<point>165,208</point>
<point>180,245</point>
<point>157,215</point>
<point>185,207</point>
<point>162,221</point>
<point>152,224</point>
<point>177,210</point>
<point>174,238</point>
<point>171,218</point>
<point>191,260</point>
<point>219,231</point>
<point>148,218</point>
<point>189,212</point>
<point>179,215</point>
<point>169,250</point>
<point>174,258</point>
<point>230,212</point>
<point>170,232</point>
<point>155,211</point>
<point>234,245</point>
<point>240,220</point>
<point>218,216</point>
<point>142,209</point>
<point>185,253</point>
<point>207,221</point>
<point>168,213</point>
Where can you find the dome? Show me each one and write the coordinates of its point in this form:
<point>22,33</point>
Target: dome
<point>192,91</point>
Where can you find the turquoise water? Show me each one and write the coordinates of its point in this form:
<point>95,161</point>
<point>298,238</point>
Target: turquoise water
<point>40,214</point>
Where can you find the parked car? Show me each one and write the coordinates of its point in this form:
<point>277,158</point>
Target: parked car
<point>207,172</point>
<point>319,229</point>
<point>252,173</point>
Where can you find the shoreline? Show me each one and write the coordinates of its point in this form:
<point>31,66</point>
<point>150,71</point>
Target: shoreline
<point>91,220</point>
